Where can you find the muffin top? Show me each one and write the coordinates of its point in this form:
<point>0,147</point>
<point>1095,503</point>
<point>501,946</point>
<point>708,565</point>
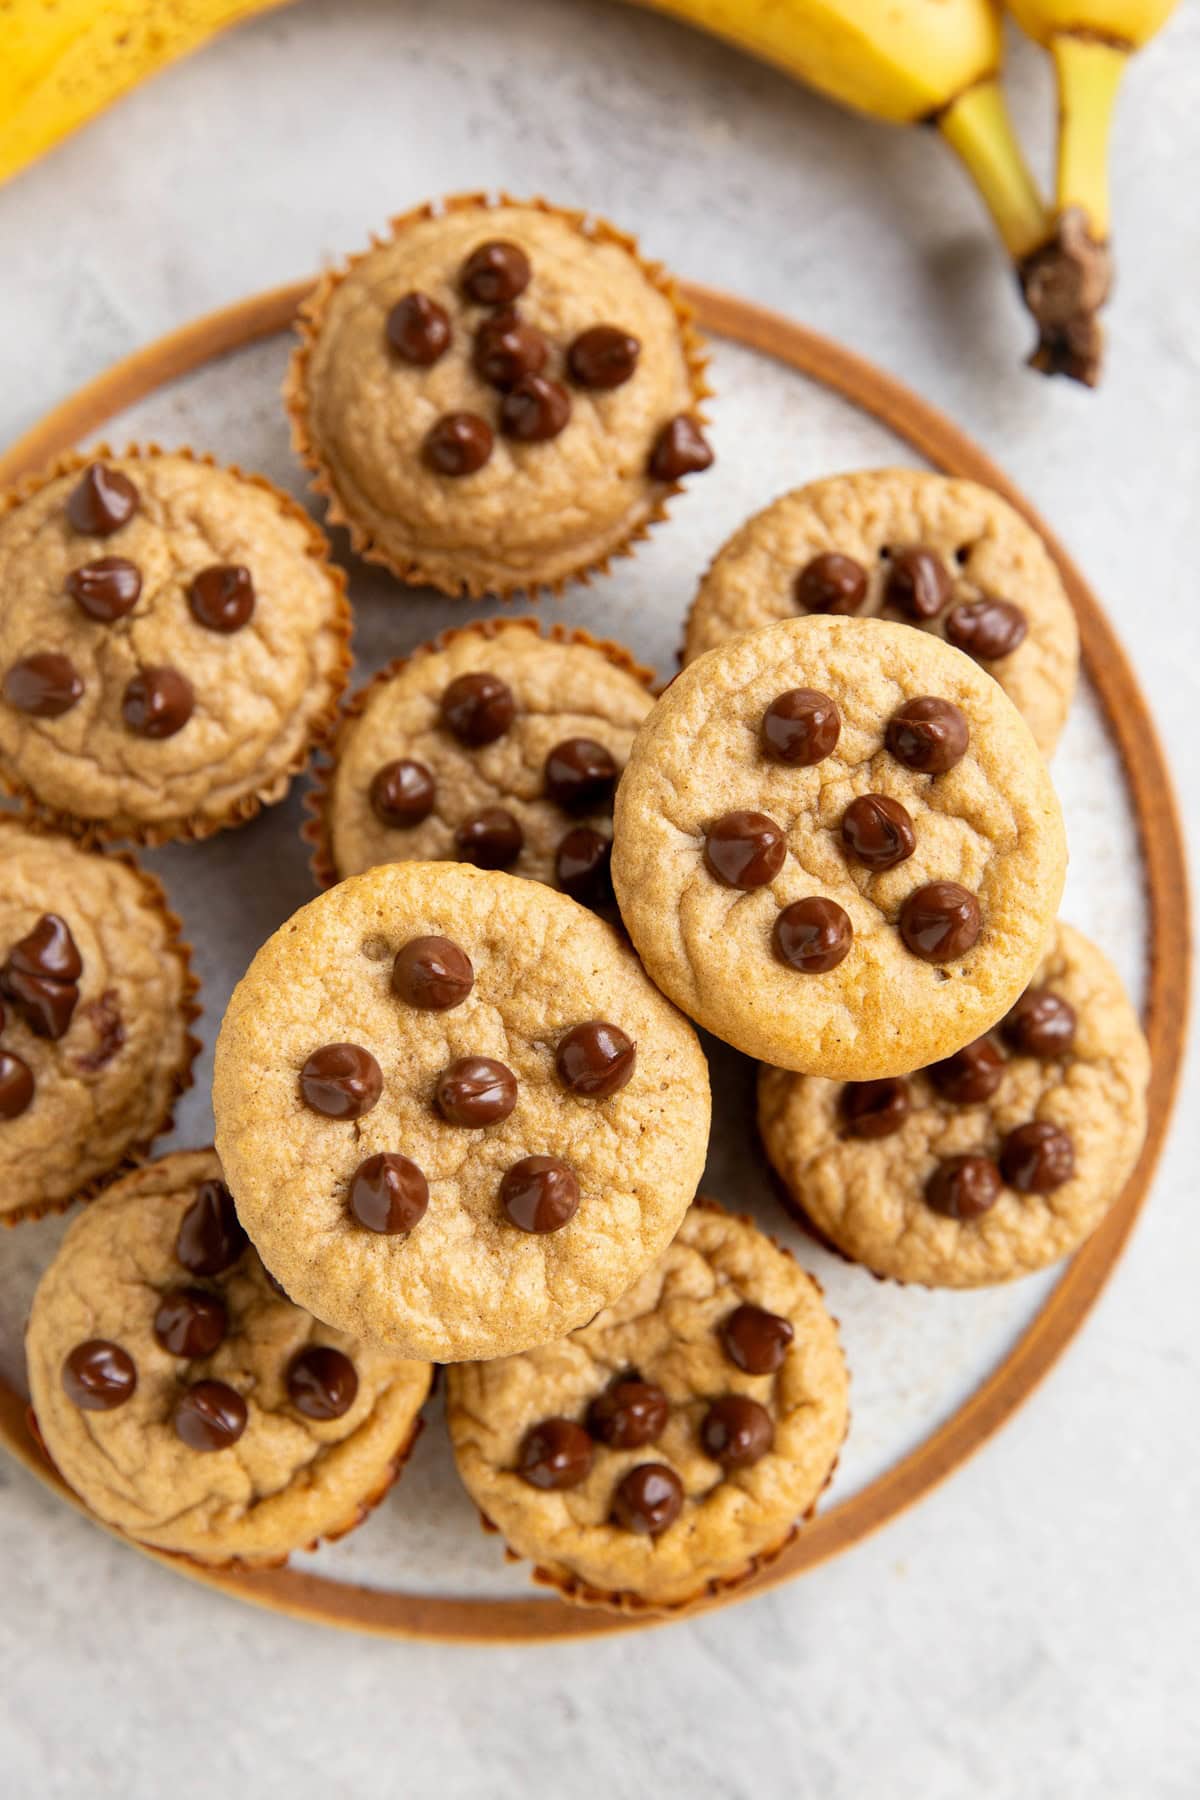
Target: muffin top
<point>95,1007</point>
<point>497,397</point>
<point>170,642</point>
<point>669,1445</point>
<point>185,1398</point>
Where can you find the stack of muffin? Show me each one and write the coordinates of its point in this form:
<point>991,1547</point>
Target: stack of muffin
<point>462,1111</point>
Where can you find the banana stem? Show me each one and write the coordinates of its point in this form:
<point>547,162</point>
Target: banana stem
<point>1089,73</point>
<point>978,129</point>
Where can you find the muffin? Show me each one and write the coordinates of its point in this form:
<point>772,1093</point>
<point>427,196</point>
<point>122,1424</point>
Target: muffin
<point>497,397</point>
<point>172,643</point>
<point>665,1450</point>
<point>97,999</point>
<point>496,745</point>
<point>186,1400</point>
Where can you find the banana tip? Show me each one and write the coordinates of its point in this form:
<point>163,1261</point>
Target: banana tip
<point>1064,284</point>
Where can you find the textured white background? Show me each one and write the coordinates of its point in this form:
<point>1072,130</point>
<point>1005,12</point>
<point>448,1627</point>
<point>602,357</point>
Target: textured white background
<point>1033,1629</point>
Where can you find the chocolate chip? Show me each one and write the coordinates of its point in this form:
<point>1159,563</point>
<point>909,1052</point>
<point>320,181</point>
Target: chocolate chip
<point>963,1187</point>
<point>1037,1158</point>
<point>48,949</point>
<point>604,356</point>
<point>680,449</point>
<point>458,443</point>
<point>831,583</point>
<point>496,272</point>
<point>210,1416</point>
<point>648,1499</point>
<point>432,973</point>
<point>475,1091</point>
<point>812,935</point>
<point>106,589</point>
<point>1041,1024</point>
<point>491,839</point>
<point>507,347</point>
<point>389,1194</point>
<point>595,1059</point>
<point>940,921</point>
<point>755,1340</point>
<point>103,501</point>
<point>158,702</point>
<point>581,775</point>
<point>402,794</point>
<point>557,1453</point>
<point>41,975</point>
<point>540,1193</point>
<point>582,866</point>
<point>99,1376</point>
<point>744,850</point>
<point>918,583</point>
<point>986,629</point>
<point>45,685</point>
<point>418,329</point>
<point>210,1237</point>
<point>322,1382</point>
<point>629,1414</point>
<point>222,597</point>
<point>190,1322</point>
<point>971,1075</point>
<point>801,727</point>
<point>535,409</point>
<point>478,708</point>
<point>16,1085</point>
<point>878,832</point>
<point>103,1014</point>
<point>736,1431</point>
<point>928,735</point>
<point>341,1081</point>
<point>874,1109</point>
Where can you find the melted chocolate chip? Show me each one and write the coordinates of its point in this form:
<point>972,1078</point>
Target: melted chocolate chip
<point>1037,1158</point>
<point>581,775</point>
<point>402,794</point>
<point>16,1085</point>
<point>341,1081</point>
<point>928,735</point>
<point>744,850</point>
<point>475,1091</point>
<point>878,832</point>
<point>45,685</point>
<point>801,727</point>
<point>736,1431</point>
<point>629,1414</point>
<point>540,1193</point>
<point>986,629</point>
<point>106,589</point>
<point>158,702</point>
<point>48,949</point>
<point>103,501</point>
<point>918,583</point>
<point>491,839</point>
<point>459,443</point>
<point>756,1341</point>
<point>418,330</point>
<point>535,409</point>
<point>322,1382</point>
<point>496,272</point>
<point>874,1109</point>
<point>604,356</point>
<point>210,1416</point>
<point>557,1453</point>
<point>963,1187</point>
<point>508,347</point>
<point>210,1237</point>
<point>222,597</point>
<point>595,1059</point>
<point>432,973</point>
<point>582,866</point>
<point>478,708</point>
<point>971,1075</point>
<point>831,583</point>
<point>99,1376</point>
<point>940,921</point>
<point>648,1499</point>
<point>812,935</point>
<point>41,976</point>
<point>388,1194</point>
<point>680,449</point>
<point>190,1322</point>
<point>1041,1024</point>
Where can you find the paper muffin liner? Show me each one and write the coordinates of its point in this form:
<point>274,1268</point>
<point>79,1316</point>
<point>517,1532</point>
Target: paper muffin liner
<point>413,572</point>
<point>627,1601</point>
<point>317,830</point>
<point>194,826</point>
<point>181,1077</point>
